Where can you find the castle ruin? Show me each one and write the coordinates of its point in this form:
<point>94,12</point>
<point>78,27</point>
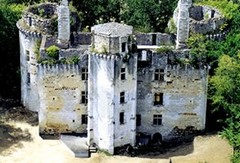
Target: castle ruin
<point>112,84</point>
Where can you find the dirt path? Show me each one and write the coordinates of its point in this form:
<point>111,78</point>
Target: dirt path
<point>20,143</point>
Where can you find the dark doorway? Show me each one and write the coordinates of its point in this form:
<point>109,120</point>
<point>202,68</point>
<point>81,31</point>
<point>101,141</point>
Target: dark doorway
<point>157,138</point>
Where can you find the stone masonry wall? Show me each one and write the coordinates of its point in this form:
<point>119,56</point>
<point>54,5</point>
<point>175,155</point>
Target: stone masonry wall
<point>155,38</point>
<point>184,97</point>
<point>60,91</point>
<point>125,133</point>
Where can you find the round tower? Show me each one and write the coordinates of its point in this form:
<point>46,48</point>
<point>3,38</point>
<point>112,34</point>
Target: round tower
<point>36,22</point>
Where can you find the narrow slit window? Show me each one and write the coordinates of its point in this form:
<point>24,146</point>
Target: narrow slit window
<point>30,21</point>
<point>154,39</point>
<point>121,118</point>
<point>84,74</point>
<point>28,78</point>
<point>123,73</point>
<point>84,97</point>
<point>157,119</point>
<point>122,97</point>
<point>158,99</point>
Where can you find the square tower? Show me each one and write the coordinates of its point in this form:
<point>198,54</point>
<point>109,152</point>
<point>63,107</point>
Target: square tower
<point>112,87</point>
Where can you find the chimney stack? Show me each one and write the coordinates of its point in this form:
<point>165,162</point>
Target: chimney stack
<point>183,23</point>
<point>63,24</point>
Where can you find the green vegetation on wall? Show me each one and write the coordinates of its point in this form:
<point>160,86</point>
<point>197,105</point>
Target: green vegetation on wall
<point>53,52</point>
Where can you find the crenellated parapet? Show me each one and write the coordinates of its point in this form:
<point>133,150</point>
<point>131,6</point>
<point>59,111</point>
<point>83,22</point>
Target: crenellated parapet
<point>186,71</point>
<point>107,56</point>
<point>57,69</point>
<point>28,32</point>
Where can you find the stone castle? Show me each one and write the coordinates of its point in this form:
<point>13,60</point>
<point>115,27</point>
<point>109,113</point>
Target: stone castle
<point>112,84</point>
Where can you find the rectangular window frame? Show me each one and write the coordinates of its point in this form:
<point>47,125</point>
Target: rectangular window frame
<point>158,98</point>
<point>84,119</point>
<point>121,118</point>
<point>84,74</point>
<point>84,99</point>
<point>157,119</point>
<point>124,48</point>
<point>122,97</point>
<point>123,74</point>
<point>159,75</point>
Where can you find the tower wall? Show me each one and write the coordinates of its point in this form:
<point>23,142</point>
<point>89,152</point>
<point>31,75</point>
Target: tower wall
<point>28,62</point>
<point>105,105</point>
<point>101,101</point>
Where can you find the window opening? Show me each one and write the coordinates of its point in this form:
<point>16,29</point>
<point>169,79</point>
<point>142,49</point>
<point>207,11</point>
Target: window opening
<point>157,119</point>
<point>123,73</point>
<point>28,78</point>
<point>84,97</point>
<point>30,21</point>
<point>154,39</point>
<point>121,118</point>
<point>144,55</point>
<point>84,74</point>
<point>27,55</point>
<point>124,47</point>
<point>84,119</point>
<point>158,99</point>
<point>159,74</point>
<point>122,97</point>
<point>138,120</point>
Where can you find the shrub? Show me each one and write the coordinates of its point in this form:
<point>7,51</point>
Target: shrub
<point>53,52</point>
<point>164,49</point>
<point>36,50</point>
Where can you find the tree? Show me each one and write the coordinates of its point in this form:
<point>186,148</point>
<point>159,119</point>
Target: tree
<point>148,15</point>
<point>9,47</point>
<point>97,11</point>
<point>225,88</point>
